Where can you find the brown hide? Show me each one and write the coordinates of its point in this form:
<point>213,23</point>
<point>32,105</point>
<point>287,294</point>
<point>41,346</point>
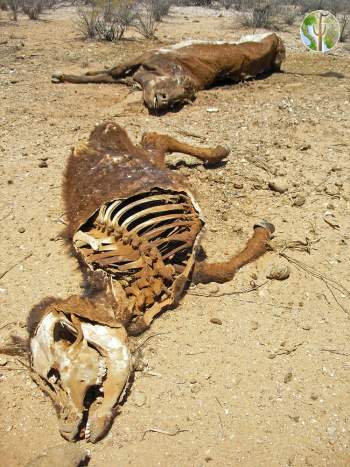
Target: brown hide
<point>108,168</point>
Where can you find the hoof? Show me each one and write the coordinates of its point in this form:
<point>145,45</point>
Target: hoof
<point>265,225</point>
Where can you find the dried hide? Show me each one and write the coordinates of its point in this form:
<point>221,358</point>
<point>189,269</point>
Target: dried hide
<point>174,74</point>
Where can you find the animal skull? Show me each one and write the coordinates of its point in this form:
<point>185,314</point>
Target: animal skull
<point>84,367</point>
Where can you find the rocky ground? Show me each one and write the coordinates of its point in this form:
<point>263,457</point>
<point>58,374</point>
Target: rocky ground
<point>270,385</point>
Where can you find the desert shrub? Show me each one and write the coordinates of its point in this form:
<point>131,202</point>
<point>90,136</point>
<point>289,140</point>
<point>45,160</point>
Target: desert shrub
<point>344,27</point>
<point>145,22</point>
<point>334,6</point>
<point>34,8</point>
<point>14,6</point>
<point>289,14</point>
<point>260,13</point>
<point>160,8</point>
<point>105,20</point>
<point>227,4</point>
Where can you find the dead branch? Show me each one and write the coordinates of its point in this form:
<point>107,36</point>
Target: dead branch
<point>287,351</point>
<point>3,273</point>
<point>336,352</point>
<point>233,292</point>
<point>163,432</point>
<point>148,338</point>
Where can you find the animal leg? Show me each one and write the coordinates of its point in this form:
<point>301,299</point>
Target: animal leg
<point>223,272</point>
<point>166,144</point>
<point>103,77</point>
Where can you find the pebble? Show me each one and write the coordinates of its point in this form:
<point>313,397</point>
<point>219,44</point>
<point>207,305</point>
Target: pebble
<point>216,321</point>
<point>331,189</point>
<point>238,185</point>
<point>299,200</point>
<point>288,377</point>
<point>280,186</point>
<point>212,110</point>
<point>304,147</point>
<point>254,325</point>
<point>278,272</point>
<point>314,396</point>
<point>139,399</point>
<point>196,388</point>
<point>212,288</point>
<point>42,164</point>
<point>21,230</point>
<point>3,361</point>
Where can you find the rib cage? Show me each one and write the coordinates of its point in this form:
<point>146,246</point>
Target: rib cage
<point>143,241</point>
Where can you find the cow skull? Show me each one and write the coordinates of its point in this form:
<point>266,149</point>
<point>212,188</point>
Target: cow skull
<point>84,367</point>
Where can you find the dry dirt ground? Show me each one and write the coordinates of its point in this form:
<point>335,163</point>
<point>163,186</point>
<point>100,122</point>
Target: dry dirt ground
<point>268,387</point>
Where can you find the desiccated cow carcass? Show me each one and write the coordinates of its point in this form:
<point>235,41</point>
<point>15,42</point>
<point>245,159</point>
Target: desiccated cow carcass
<point>136,227</point>
<point>173,74</point>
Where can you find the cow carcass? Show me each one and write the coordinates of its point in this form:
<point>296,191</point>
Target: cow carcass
<point>174,74</point>
<point>136,228</point>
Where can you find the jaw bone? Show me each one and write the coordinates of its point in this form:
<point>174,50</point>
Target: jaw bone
<point>73,357</point>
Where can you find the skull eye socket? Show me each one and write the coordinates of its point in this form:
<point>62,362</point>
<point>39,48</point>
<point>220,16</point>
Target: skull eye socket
<point>62,332</point>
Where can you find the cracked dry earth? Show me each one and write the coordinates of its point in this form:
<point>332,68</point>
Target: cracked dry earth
<point>270,385</point>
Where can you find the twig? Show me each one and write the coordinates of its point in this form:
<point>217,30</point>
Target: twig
<point>335,298</point>
<point>336,285</point>
<point>331,284</point>
<point>7,324</point>
<point>336,352</point>
<point>233,292</point>
<point>3,274</point>
<point>221,426</point>
<point>150,337</point>
<point>277,353</point>
<point>163,432</point>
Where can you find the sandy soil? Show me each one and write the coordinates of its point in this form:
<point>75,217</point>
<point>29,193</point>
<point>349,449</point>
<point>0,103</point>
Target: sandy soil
<point>268,387</point>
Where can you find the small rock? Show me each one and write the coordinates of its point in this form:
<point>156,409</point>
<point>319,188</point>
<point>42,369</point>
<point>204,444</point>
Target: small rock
<point>280,186</point>
<point>238,185</point>
<point>139,399</point>
<point>279,272</point>
<point>212,110</point>
<point>212,288</point>
<point>216,321</point>
<point>299,200</point>
<point>224,216</point>
<point>314,396</point>
<point>42,164</point>
<point>304,147</point>
<point>331,189</point>
<point>21,230</point>
<point>254,276</point>
<point>3,361</point>
<point>306,327</point>
<point>254,325</point>
<point>196,388</point>
<point>288,377</point>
